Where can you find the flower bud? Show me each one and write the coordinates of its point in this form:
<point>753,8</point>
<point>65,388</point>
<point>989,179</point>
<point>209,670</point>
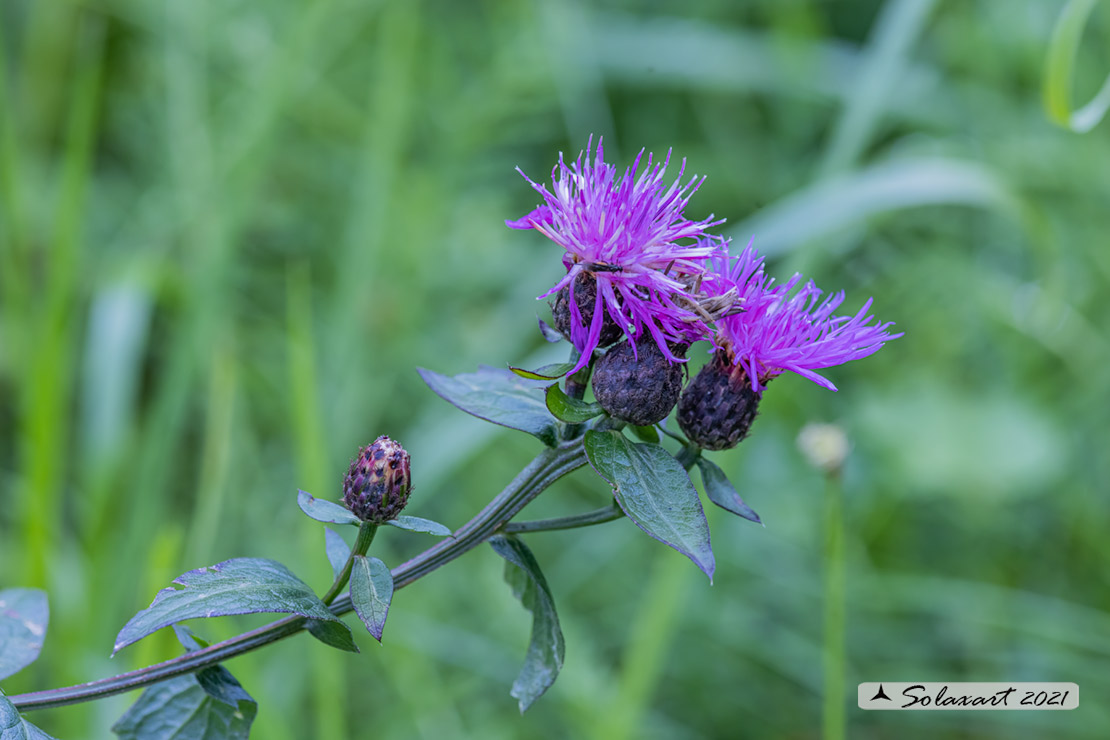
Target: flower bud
<point>718,406</point>
<point>825,446</point>
<point>585,295</point>
<point>640,389</point>
<point>378,482</point>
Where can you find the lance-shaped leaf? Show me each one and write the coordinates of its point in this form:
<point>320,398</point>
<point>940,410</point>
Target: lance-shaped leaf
<point>23,617</point>
<point>646,434</point>
<point>550,334</point>
<point>207,705</point>
<point>547,372</point>
<point>238,586</point>
<point>416,524</point>
<point>14,727</point>
<point>655,492</point>
<point>545,650</point>
<point>498,396</point>
<point>568,409</point>
<point>325,511</point>
<point>720,491</point>
<point>332,634</point>
<point>371,592</point>
<point>337,550</point>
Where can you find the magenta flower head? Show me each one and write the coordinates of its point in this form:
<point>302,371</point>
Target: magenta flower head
<point>628,247</point>
<point>778,330</point>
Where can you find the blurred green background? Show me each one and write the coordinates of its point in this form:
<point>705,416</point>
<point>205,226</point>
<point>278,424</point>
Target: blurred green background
<point>230,231</point>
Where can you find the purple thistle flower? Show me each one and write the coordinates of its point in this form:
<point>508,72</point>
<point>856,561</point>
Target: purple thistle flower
<point>777,331</point>
<point>625,232</point>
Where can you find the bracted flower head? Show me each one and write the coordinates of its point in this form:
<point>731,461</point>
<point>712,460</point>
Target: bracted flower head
<point>777,330</point>
<point>627,237</point>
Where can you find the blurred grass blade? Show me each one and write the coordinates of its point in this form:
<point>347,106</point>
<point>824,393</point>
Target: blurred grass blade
<point>897,27</point>
<point>1063,48</point>
<point>849,200</point>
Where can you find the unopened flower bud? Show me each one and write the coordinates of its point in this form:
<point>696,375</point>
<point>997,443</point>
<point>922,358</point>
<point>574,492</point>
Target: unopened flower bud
<point>640,389</point>
<point>378,482</point>
<point>824,445</point>
<point>585,295</point>
<point>718,406</point>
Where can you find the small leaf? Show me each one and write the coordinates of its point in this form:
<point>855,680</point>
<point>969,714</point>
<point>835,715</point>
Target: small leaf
<point>721,491</point>
<point>646,434</point>
<point>546,648</point>
<point>187,639</point>
<point>497,396</point>
<point>238,586</point>
<point>14,727</point>
<point>568,409</point>
<point>371,592</point>
<point>547,372</point>
<point>24,614</point>
<point>655,492</point>
<point>337,551</point>
<point>550,334</point>
<point>207,705</point>
<point>325,511</point>
<point>334,634</point>
<point>416,524</point>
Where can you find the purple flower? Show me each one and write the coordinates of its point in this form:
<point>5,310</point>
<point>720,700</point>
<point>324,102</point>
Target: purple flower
<point>629,234</point>
<point>777,331</point>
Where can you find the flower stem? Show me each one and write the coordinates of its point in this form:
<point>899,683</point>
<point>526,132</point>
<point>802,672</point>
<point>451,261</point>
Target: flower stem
<point>366,534</point>
<point>597,516</point>
<point>833,715</point>
<point>688,455</point>
<point>550,465</point>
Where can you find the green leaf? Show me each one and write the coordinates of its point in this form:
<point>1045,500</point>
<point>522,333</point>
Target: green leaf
<point>1063,48</point>
<point>550,334</point>
<point>371,592</point>
<point>238,586</point>
<point>207,705</point>
<point>547,372</point>
<point>325,511</point>
<point>24,614</point>
<point>655,492</point>
<point>720,491</point>
<point>337,551</point>
<point>14,727</point>
<point>497,396</point>
<point>189,640</point>
<point>546,648</point>
<point>333,634</point>
<point>416,524</point>
<point>646,434</point>
<point>568,409</point>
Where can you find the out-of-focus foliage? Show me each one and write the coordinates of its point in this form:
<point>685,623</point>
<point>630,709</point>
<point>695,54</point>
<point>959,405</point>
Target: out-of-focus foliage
<point>230,231</point>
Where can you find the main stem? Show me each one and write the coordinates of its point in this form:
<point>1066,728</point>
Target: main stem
<point>545,469</point>
<point>833,717</point>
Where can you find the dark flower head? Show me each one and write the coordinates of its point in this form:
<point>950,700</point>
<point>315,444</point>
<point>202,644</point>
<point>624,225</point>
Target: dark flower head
<point>378,482</point>
<point>779,329</point>
<point>629,234</point>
